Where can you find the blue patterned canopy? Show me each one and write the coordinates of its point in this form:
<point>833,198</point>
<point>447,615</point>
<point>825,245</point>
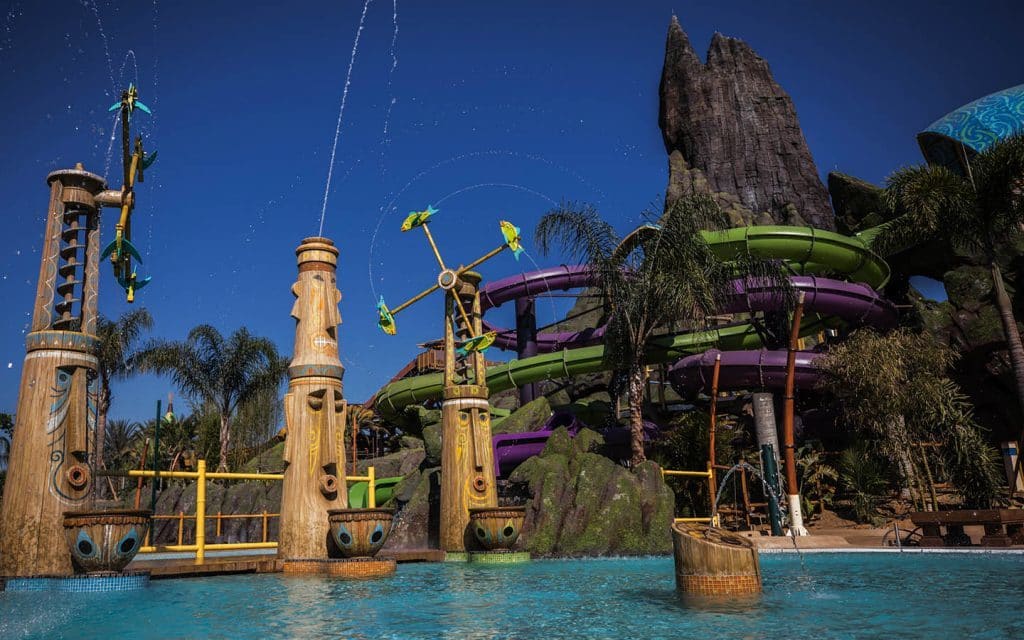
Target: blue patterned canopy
<point>976,126</point>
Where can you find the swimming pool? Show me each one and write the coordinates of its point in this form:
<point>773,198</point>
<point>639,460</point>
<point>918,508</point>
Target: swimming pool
<point>824,595</point>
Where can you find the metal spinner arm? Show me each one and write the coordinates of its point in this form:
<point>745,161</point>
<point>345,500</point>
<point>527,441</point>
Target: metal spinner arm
<point>135,161</point>
<point>447,280</point>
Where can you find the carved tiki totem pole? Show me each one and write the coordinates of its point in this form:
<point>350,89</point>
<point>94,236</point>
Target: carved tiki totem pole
<point>315,411</point>
<point>49,470</point>
<point>467,459</point>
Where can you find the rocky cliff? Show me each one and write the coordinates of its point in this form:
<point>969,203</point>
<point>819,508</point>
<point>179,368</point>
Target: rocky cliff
<point>731,131</point>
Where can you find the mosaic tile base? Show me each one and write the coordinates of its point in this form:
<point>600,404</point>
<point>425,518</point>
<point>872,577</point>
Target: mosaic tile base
<point>338,568</point>
<point>719,585</point>
<point>88,583</point>
<point>499,557</point>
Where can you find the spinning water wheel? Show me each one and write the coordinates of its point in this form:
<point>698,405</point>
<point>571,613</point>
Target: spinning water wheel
<point>467,459</point>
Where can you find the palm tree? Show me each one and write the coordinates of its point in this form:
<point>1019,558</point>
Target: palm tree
<point>662,274</point>
<point>120,443</point>
<point>222,373</point>
<point>979,212</point>
<point>116,360</point>
<point>6,436</point>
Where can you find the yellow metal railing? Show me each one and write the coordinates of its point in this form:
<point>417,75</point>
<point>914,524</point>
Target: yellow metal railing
<point>709,476</point>
<point>201,475</point>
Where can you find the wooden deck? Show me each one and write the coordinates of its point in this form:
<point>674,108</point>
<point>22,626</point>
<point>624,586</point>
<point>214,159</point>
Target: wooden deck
<point>185,567</point>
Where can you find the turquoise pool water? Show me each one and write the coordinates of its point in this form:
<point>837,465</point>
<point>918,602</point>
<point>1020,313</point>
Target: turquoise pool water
<point>830,596</point>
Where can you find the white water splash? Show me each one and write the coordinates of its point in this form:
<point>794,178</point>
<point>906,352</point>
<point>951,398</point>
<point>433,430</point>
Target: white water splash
<point>106,45</point>
<point>124,64</point>
<point>385,139</point>
<point>110,144</point>
<point>390,207</point>
<point>341,112</point>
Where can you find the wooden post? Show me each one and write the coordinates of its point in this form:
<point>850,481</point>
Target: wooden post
<point>746,494</point>
<point>264,525</point>
<point>201,513</point>
<point>467,459</point>
<point>355,436</point>
<point>142,465</point>
<point>796,519</point>
<point>711,430</point>
<point>315,409</point>
<point>181,527</point>
<point>371,489</point>
<point>52,457</point>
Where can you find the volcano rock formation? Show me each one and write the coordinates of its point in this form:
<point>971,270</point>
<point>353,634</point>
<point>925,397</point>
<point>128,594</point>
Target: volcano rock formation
<point>731,131</point>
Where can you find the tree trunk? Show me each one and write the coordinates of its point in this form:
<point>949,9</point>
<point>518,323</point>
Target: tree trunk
<point>102,409</point>
<point>225,441</point>
<point>928,477</point>
<point>636,417</point>
<point>100,436</point>
<point>1013,345</point>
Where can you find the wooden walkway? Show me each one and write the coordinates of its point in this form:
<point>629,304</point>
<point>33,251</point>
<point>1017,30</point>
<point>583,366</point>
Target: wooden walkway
<point>185,567</point>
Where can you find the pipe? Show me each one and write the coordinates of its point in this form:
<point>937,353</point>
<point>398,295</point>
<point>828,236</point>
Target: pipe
<point>771,477</point>
<point>796,519</point>
<point>711,431</point>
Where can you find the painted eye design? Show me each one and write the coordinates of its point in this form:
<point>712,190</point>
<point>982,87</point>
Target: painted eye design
<point>377,535</point>
<point>129,543</point>
<point>343,536</point>
<point>85,546</point>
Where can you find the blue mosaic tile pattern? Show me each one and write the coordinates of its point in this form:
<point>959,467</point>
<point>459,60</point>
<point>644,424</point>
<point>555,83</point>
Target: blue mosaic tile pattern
<point>127,581</point>
<point>977,125</point>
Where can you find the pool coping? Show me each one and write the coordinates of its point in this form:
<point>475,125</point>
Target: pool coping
<point>936,550</point>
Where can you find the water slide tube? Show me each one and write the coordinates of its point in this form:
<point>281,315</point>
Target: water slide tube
<point>807,250</point>
<point>384,489</point>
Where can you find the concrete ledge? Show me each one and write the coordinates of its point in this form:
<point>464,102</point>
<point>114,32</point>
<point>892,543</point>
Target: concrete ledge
<point>800,542</point>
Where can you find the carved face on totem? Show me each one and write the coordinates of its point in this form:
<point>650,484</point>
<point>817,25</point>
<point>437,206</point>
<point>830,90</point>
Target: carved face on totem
<point>316,309</point>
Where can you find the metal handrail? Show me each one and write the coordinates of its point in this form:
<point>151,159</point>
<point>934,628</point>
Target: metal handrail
<point>201,475</point>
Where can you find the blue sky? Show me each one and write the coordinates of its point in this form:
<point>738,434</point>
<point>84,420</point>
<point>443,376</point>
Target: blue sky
<point>484,110</point>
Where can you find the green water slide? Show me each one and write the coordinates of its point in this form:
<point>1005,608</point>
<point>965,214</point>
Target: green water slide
<point>383,487</point>
<point>806,249</point>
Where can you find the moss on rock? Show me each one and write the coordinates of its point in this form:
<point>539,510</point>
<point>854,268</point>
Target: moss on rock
<point>528,417</point>
<point>583,504</point>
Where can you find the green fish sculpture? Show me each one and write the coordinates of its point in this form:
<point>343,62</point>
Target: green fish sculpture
<point>385,320</point>
<point>418,218</point>
<point>477,344</point>
<point>512,237</point>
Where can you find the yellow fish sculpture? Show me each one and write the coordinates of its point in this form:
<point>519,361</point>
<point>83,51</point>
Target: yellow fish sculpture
<point>418,218</point>
<point>512,238</point>
<point>385,320</point>
<point>479,343</point>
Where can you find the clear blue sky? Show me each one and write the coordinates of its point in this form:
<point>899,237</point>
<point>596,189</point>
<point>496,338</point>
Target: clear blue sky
<point>495,110</point>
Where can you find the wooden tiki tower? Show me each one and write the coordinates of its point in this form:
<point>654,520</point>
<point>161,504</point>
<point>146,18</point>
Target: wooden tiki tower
<point>315,411</point>
<point>467,459</point>
<point>49,470</point>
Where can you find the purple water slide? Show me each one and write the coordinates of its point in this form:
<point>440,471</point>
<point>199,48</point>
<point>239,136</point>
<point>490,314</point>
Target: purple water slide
<point>761,369</point>
<point>855,302</point>
<point>512,449</point>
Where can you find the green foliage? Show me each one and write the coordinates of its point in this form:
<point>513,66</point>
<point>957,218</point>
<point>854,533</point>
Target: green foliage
<point>864,480</point>
<point>116,353</point>
<point>817,479</point>
<point>661,274</point>
<point>975,213</point>
<point>223,374</point>
<point>684,447</point>
<point>6,435</point>
<point>893,390</point>
<point>122,445</point>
